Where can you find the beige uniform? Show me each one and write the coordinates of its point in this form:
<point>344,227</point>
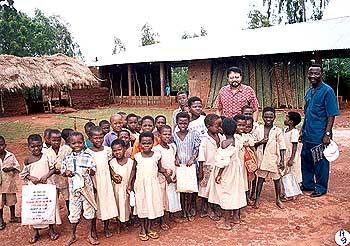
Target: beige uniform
<point>268,159</point>
<point>206,154</point>
<point>148,194</point>
<point>8,186</point>
<point>106,205</point>
<point>121,195</point>
<point>60,181</point>
<point>291,137</point>
<point>39,169</point>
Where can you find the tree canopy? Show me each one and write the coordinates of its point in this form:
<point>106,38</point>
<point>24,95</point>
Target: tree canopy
<point>22,35</point>
<point>287,12</point>
<point>186,35</point>
<point>119,46</point>
<point>148,36</point>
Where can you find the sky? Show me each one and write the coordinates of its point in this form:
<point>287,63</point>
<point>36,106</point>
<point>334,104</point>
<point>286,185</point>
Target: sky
<point>95,23</point>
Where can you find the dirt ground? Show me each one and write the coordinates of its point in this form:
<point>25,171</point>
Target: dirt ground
<point>305,221</point>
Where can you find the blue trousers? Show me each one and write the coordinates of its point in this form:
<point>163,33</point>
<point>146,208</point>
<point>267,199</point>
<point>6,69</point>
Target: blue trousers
<point>315,175</point>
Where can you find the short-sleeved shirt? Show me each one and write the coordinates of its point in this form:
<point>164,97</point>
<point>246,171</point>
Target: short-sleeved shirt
<point>8,179</point>
<point>320,103</point>
<point>109,138</point>
<point>79,163</point>
<point>231,103</point>
<point>198,125</point>
<point>187,147</point>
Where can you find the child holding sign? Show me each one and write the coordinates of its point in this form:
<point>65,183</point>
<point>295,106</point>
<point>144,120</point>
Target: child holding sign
<point>37,170</point>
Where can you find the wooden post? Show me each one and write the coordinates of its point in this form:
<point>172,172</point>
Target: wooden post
<point>129,79</point>
<point>162,79</point>
<point>2,102</point>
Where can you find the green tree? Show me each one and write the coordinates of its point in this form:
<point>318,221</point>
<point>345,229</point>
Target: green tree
<point>21,35</point>
<point>179,78</point>
<point>186,35</point>
<point>257,19</point>
<point>337,70</point>
<point>287,11</point>
<point>119,46</point>
<point>148,36</point>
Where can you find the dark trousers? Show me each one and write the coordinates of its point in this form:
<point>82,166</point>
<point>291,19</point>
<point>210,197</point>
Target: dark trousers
<point>315,175</point>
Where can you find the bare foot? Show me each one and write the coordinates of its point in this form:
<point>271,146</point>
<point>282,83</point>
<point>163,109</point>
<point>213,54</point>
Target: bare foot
<point>224,226</point>
<point>164,227</point>
<point>53,235</point>
<point>256,204</point>
<point>250,202</point>
<point>93,241</point>
<point>34,238</point>
<point>279,204</point>
<point>203,214</point>
<point>213,216</point>
<point>108,234</point>
<point>72,240</point>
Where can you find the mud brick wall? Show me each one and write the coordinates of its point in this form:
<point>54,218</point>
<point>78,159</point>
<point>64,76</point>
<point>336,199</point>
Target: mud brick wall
<point>199,78</point>
<point>88,98</point>
<point>14,104</point>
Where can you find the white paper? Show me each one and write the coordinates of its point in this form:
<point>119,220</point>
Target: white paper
<point>38,204</point>
<point>186,179</point>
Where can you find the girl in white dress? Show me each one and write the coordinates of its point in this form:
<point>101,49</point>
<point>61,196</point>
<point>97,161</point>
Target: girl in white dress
<point>37,170</point>
<point>171,198</point>
<point>227,182</point>
<point>144,182</point>
<point>106,206</point>
<point>121,167</point>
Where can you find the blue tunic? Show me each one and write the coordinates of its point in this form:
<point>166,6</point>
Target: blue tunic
<point>320,103</point>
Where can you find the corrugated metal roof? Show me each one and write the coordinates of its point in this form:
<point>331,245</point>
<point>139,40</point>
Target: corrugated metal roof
<point>332,34</point>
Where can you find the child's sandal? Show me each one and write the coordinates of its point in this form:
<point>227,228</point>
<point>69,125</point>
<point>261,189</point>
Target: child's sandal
<point>15,220</point>
<point>153,235</point>
<point>34,239</point>
<point>2,226</point>
<point>164,227</point>
<point>143,237</point>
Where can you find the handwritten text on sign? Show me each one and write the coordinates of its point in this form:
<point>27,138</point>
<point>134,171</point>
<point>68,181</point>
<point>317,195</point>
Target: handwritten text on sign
<point>38,204</point>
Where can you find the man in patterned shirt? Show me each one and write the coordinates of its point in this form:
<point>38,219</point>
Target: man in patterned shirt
<point>235,95</point>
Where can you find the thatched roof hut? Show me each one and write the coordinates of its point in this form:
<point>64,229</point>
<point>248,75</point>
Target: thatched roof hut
<point>57,71</point>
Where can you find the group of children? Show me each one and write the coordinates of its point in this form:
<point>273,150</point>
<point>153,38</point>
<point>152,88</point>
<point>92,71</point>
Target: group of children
<point>143,169</point>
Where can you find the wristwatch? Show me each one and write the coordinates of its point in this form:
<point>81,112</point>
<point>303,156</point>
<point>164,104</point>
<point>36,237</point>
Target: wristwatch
<point>328,134</point>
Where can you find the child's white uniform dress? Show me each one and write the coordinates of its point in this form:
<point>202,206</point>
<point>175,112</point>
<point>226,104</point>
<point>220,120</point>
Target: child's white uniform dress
<point>121,195</point>
<point>106,206</point>
<point>230,193</point>
<point>171,198</point>
<point>291,137</point>
<point>206,154</point>
<point>39,169</point>
<point>269,158</point>
<point>148,194</point>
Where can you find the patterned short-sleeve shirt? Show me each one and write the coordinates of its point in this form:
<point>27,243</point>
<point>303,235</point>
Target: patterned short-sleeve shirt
<point>231,103</point>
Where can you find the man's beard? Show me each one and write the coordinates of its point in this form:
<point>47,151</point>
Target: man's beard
<point>235,84</point>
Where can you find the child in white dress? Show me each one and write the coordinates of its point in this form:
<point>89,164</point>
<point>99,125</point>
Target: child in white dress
<point>226,183</point>
<point>206,159</point>
<point>106,206</point>
<point>171,198</point>
<point>121,167</point>
<point>270,148</point>
<point>37,170</point>
<point>144,182</point>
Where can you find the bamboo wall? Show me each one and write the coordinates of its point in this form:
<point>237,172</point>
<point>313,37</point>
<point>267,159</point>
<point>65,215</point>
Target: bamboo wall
<point>279,84</point>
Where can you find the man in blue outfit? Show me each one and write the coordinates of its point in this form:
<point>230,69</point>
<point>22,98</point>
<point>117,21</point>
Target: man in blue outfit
<point>320,110</point>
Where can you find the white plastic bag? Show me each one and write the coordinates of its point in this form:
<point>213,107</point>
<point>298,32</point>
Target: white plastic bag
<point>173,198</point>
<point>38,204</point>
<point>290,185</point>
<point>186,179</point>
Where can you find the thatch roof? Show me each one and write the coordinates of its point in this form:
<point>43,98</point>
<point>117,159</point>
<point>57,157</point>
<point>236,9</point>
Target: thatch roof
<point>56,71</point>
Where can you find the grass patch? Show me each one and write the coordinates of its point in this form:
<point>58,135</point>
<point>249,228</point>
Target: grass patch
<point>18,130</point>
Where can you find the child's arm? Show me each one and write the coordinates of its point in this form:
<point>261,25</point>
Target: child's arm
<point>218,177</point>
<point>281,164</point>
<point>200,173</point>
<point>263,141</point>
<point>43,179</point>
<point>292,156</point>
<point>193,158</point>
<point>177,160</point>
<point>25,174</point>
<point>115,177</point>
<point>132,178</point>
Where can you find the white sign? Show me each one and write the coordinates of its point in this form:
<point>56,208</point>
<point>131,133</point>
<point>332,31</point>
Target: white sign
<point>38,204</point>
<point>342,237</point>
